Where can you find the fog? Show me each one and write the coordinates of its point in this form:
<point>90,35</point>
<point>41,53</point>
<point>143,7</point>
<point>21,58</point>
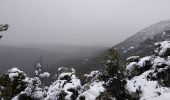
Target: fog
<point>78,22</point>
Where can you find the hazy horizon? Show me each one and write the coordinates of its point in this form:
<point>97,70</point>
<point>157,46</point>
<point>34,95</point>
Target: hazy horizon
<point>76,22</point>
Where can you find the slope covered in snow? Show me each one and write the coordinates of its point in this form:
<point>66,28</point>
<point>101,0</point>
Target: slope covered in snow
<point>142,35</point>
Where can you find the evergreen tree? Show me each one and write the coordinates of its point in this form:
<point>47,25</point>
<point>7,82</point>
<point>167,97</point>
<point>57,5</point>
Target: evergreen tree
<point>3,28</point>
<point>12,83</point>
<point>114,76</point>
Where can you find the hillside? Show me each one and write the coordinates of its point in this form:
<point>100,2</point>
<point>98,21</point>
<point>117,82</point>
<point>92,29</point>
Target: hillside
<point>145,78</point>
<point>139,43</point>
<point>143,34</point>
<point>25,57</point>
<point>144,75</point>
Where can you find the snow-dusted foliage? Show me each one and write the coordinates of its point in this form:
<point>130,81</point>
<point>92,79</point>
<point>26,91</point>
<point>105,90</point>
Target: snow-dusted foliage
<point>44,75</point>
<point>133,59</point>
<point>32,91</point>
<point>114,78</point>
<point>93,76</point>
<point>93,87</point>
<point>65,88</point>
<point>137,67</point>
<point>15,85</point>
<point>15,73</point>
<point>92,91</point>
<point>153,81</point>
<point>39,73</point>
<point>69,87</point>
<point>164,48</point>
<point>11,83</point>
<point>146,88</point>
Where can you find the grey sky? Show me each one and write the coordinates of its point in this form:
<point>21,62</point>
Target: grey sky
<point>79,22</point>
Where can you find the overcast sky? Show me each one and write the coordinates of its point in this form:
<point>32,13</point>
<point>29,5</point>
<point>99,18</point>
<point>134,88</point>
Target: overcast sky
<point>79,22</point>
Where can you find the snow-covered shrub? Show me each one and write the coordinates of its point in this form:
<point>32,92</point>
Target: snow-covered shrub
<point>137,68</point>
<point>132,70</point>
<point>33,86</point>
<point>93,76</point>
<point>142,87</point>
<point>163,49</point>
<point>133,59</point>
<point>154,82</point>
<point>38,69</point>
<point>65,88</point>
<point>32,91</point>
<point>68,87</point>
<point>93,87</point>
<point>43,76</point>
<point>12,83</point>
<point>15,85</point>
<point>39,73</point>
<point>92,91</point>
<point>161,71</point>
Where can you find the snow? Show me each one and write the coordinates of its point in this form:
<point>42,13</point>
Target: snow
<point>32,90</point>
<point>63,85</point>
<point>131,48</point>
<point>15,98</point>
<point>92,73</point>
<point>141,83</point>
<point>108,61</point>
<point>143,60</point>
<point>38,69</point>
<point>39,65</point>
<point>149,89</point>
<point>124,51</point>
<point>165,96</point>
<point>14,70</point>
<point>158,61</point>
<point>163,33</point>
<point>59,69</point>
<point>44,75</point>
<point>36,72</point>
<point>95,89</point>
<point>165,45</point>
<point>54,90</point>
<point>13,73</point>
<point>64,74</point>
<point>132,57</point>
<point>131,66</point>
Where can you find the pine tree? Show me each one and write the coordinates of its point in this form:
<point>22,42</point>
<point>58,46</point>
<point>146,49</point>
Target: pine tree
<point>12,83</point>
<point>114,76</point>
<point>3,28</point>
